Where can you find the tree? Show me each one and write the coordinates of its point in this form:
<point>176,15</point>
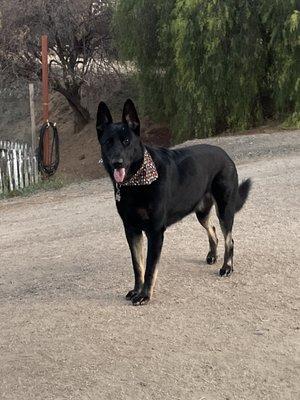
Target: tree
<point>79,43</point>
<point>209,65</point>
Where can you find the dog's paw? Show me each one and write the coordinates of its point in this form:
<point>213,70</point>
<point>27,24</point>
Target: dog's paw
<point>226,270</point>
<point>140,299</point>
<point>211,258</point>
<point>131,294</point>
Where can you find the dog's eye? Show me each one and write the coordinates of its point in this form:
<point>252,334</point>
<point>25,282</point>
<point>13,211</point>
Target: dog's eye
<point>126,142</point>
<point>108,142</point>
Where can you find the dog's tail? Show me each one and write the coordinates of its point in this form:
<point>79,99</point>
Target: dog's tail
<point>242,195</point>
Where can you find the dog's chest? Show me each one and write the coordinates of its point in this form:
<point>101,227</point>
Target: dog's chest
<point>136,208</point>
<point>136,215</point>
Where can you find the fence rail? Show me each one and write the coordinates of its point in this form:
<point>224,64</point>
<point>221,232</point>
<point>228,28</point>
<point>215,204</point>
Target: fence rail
<point>18,166</point>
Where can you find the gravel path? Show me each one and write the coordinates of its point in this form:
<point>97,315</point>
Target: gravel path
<point>68,333</point>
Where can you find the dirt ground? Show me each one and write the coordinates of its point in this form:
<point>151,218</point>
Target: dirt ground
<point>67,331</point>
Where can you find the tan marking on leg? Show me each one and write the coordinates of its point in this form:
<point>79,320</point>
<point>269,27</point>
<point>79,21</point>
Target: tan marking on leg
<point>228,257</point>
<point>154,280</point>
<point>210,229</point>
<point>138,249</point>
<point>216,208</point>
<point>228,239</point>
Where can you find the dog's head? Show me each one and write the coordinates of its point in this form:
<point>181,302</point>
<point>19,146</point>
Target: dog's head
<point>121,147</point>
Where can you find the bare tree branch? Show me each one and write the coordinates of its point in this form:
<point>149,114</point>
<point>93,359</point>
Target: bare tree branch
<point>79,43</point>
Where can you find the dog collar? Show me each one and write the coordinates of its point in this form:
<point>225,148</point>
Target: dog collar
<point>144,176</point>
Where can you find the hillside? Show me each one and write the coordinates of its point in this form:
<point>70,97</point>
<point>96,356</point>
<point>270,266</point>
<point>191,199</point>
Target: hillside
<point>79,153</point>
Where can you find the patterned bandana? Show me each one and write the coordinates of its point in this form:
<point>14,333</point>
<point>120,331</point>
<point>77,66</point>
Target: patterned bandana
<point>144,176</point>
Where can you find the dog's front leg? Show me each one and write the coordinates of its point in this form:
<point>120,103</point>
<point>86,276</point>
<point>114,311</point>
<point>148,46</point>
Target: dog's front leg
<point>155,242</point>
<point>135,242</point>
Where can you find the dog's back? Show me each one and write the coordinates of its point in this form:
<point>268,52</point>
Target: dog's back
<point>187,174</point>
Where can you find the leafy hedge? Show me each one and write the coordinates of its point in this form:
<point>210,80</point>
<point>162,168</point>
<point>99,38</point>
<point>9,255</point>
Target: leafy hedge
<point>209,65</point>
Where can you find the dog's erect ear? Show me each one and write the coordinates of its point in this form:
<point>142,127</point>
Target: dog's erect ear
<point>103,117</point>
<point>130,116</point>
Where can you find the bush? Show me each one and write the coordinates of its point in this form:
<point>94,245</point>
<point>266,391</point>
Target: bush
<point>209,65</point>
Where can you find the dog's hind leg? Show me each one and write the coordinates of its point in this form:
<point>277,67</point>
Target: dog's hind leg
<point>203,215</point>
<point>135,242</point>
<point>227,267</point>
<point>224,193</point>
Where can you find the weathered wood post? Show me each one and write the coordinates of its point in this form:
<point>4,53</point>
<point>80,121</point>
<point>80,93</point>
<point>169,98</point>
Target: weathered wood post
<point>46,143</point>
<point>32,116</point>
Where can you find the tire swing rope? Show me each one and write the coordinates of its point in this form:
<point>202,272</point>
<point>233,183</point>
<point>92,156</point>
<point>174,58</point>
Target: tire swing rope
<point>52,166</point>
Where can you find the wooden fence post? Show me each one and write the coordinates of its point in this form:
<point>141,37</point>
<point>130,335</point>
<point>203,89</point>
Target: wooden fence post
<point>18,166</point>
<point>32,116</point>
<point>9,174</point>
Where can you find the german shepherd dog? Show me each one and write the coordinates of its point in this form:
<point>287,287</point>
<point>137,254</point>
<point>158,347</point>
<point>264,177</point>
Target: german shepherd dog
<point>156,187</point>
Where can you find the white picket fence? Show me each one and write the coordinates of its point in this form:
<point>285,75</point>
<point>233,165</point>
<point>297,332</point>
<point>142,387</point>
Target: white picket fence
<point>18,166</point>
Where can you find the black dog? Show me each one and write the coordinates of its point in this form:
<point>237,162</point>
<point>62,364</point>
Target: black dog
<point>156,187</point>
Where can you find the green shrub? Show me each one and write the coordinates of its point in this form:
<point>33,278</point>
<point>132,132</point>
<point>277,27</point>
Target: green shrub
<point>209,65</point>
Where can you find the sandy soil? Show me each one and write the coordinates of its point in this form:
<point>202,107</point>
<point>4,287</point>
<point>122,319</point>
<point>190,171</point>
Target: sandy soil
<point>68,333</point>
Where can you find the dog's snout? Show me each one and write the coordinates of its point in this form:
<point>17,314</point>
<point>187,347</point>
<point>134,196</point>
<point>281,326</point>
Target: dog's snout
<point>117,163</point>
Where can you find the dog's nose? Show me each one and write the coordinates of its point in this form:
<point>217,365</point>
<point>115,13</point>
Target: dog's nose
<point>117,163</point>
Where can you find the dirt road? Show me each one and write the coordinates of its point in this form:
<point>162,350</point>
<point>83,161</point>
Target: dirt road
<point>66,331</point>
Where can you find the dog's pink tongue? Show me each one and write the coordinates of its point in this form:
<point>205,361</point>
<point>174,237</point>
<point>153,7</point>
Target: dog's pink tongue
<point>119,175</point>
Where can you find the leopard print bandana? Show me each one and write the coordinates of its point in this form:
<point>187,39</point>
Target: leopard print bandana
<point>144,176</point>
